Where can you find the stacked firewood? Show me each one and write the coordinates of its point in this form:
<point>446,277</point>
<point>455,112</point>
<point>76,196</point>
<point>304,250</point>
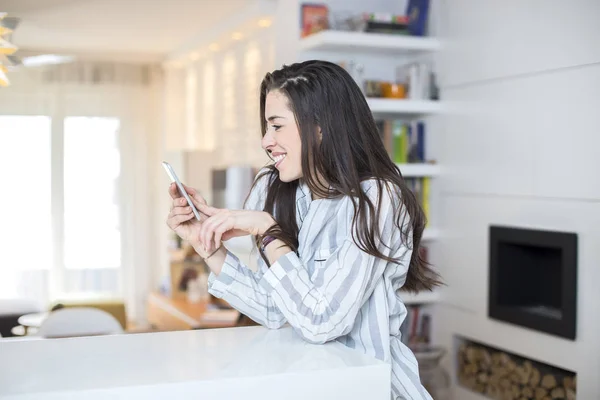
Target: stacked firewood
<point>501,376</point>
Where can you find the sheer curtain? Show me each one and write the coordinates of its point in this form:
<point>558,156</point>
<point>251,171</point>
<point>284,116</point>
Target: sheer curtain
<point>80,146</point>
<point>25,164</point>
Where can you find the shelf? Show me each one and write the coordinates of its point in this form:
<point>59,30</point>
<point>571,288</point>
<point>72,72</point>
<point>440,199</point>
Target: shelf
<point>392,108</point>
<point>465,394</point>
<point>379,43</point>
<point>419,170</point>
<point>419,298</point>
<point>430,234</point>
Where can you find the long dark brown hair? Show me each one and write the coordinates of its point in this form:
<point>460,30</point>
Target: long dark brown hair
<point>341,144</point>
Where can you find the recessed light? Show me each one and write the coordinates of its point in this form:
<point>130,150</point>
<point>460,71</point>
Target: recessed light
<point>264,23</point>
<point>194,56</point>
<point>237,36</point>
<point>213,47</point>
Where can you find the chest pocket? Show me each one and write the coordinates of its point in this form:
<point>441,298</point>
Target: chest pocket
<point>322,255</point>
<point>319,262</point>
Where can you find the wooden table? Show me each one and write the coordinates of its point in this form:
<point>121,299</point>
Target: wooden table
<point>167,314</point>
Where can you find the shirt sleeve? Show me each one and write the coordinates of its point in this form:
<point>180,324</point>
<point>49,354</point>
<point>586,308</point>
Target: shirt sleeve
<point>327,310</point>
<point>239,286</point>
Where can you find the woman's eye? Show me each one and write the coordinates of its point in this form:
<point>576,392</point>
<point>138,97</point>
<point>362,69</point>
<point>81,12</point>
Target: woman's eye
<point>276,127</point>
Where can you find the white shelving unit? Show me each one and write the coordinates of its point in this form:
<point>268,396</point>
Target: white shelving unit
<point>430,234</point>
<point>341,41</point>
<point>420,298</point>
<point>392,108</point>
<point>419,170</point>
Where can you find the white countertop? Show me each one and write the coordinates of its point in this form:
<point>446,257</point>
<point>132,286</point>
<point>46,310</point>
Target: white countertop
<point>248,363</point>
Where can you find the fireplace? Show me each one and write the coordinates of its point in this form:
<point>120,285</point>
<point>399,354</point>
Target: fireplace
<point>533,279</point>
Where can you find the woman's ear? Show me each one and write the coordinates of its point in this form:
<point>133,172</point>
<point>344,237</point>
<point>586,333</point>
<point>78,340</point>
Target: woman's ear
<point>319,134</point>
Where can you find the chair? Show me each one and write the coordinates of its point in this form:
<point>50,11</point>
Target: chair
<point>113,306</point>
<point>79,321</point>
<point>11,310</point>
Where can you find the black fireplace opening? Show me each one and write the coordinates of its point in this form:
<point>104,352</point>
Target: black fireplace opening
<point>533,279</point>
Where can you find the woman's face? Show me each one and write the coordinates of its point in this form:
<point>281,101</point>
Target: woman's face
<point>282,138</point>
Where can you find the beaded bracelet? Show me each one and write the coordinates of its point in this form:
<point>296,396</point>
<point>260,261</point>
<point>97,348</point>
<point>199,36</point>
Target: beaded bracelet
<point>265,242</point>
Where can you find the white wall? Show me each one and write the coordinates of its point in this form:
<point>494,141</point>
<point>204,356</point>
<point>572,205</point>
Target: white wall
<point>522,81</point>
<point>240,70</point>
<point>226,125</point>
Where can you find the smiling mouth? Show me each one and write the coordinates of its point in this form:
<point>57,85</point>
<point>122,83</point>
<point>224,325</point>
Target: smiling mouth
<point>278,159</point>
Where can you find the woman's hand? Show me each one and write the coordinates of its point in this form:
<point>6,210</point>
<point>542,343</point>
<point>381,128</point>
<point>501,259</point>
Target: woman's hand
<point>181,219</point>
<point>223,224</point>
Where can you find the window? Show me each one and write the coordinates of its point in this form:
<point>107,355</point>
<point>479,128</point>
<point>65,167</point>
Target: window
<point>26,230</point>
<point>60,230</point>
<point>91,183</point>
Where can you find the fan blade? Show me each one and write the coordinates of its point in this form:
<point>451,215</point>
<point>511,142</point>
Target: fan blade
<point>10,22</point>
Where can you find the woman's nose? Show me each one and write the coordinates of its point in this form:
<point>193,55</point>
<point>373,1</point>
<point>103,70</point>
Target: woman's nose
<point>268,141</point>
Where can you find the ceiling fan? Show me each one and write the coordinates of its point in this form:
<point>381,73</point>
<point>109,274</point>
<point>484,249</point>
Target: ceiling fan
<point>8,51</point>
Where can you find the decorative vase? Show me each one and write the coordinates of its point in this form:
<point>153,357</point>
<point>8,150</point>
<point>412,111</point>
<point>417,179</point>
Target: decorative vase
<point>433,376</point>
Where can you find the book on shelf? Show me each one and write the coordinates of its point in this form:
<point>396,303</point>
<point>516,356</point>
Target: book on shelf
<point>405,144</point>
<point>424,253</point>
<point>404,141</point>
<point>413,22</point>
<point>420,81</point>
<point>415,331</point>
<point>425,196</point>
<point>385,23</point>
<point>417,12</point>
<point>420,188</point>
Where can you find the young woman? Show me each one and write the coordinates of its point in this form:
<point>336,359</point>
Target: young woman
<point>337,229</point>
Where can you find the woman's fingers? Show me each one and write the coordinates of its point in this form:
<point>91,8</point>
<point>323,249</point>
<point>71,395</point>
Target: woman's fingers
<point>173,191</point>
<point>175,220</point>
<point>194,194</point>
<point>199,204</point>
<point>208,229</point>
<point>196,198</point>
<point>223,227</point>
<point>179,202</point>
<point>223,224</point>
<point>182,210</point>
<point>190,190</point>
<point>208,210</point>
<point>218,230</point>
<point>233,233</point>
<point>228,235</point>
<point>180,219</point>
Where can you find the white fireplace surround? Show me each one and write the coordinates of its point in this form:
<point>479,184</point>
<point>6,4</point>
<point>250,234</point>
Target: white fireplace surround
<point>519,149</point>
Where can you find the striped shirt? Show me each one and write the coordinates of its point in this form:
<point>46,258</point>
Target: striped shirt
<point>331,290</point>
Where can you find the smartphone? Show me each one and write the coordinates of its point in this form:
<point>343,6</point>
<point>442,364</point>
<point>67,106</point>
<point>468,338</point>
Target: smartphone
<point>175,179</point>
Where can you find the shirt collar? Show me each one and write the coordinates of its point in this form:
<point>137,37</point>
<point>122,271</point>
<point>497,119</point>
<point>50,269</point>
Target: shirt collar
<point>303,199</point>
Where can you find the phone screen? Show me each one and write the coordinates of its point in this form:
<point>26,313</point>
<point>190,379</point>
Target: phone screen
<point>174,178</point>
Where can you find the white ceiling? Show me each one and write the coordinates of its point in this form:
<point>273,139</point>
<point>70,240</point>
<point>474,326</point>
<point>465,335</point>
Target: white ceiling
<point>144,28</point>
